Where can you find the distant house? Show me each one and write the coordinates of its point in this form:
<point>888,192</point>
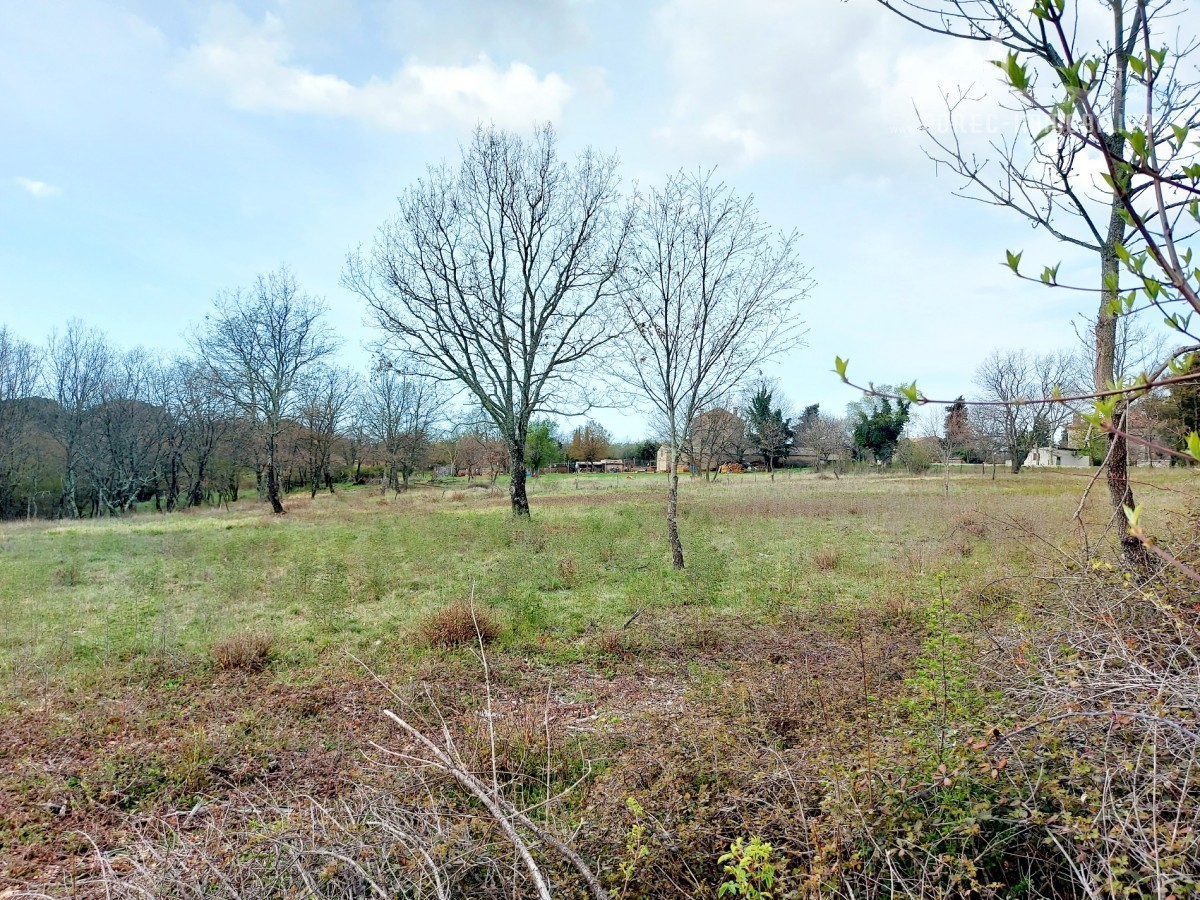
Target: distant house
<point>1066,457</point>
<point>601,465</point>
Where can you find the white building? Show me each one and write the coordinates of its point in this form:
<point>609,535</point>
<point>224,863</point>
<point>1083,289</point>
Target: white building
<point>1057,456</point>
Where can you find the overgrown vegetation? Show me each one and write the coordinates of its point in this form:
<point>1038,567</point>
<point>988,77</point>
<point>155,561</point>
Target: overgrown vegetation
<point>910,718</point>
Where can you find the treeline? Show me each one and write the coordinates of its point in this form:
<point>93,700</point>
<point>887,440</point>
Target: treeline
<point>90,429</point>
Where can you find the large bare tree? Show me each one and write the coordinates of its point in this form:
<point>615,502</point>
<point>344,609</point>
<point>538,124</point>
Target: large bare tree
<point>497,274</point>
<point>257,344</point>
<point>710,292</point>
<point>1086,78</point>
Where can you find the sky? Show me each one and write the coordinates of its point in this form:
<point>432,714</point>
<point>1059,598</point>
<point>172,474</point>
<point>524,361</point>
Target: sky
<point>155,153</point>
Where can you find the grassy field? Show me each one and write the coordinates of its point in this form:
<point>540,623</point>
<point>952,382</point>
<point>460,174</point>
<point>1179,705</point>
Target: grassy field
<point>117,707</point>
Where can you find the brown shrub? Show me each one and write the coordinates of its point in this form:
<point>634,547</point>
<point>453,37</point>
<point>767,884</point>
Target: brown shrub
<point>459,623</point>
<point>566,570</point>
<point>248,651</point>
<point>611,642</point>
<point>959,547</point>
<point>827,558</point>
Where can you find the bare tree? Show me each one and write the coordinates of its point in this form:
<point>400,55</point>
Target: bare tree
<point>20,373</point>
<point>710,293</point>
<point>257,344</point>
<point>498,276</point>
<point>1019,383</point>
<point>827,437</point>
<point>715,438</point>
<point>400,410</point>
<point>325,395</point>
<point>77,364</point>
<point>127,432</point>
<point>1079,82</point>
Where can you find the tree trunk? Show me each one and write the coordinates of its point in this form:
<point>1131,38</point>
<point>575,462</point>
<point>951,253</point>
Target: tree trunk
<point>516,489</point>
<point>273,481</point>
<point>672,517</point>
<point>1120,494</point>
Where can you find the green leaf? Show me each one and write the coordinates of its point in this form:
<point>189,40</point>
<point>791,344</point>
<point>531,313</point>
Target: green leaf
<point>1014,260</point>
<point>910,392</point>
<point>1015,72</point>
<point>839,366</point>
<point>1133,515</point>
<point>1138,65</point>
<point>1193,446</point>
<point>1181,134</point>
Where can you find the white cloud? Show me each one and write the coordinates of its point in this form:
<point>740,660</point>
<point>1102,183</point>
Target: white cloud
<point>251,64</point>
<point>824,81</point>
<point>37,189</point>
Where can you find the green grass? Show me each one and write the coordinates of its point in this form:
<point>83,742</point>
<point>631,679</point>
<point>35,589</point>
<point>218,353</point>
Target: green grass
<point>109,698</point>
<point>356,571</point>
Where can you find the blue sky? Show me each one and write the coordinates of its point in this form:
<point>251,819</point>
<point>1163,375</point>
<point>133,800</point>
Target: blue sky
<point>155,153</point>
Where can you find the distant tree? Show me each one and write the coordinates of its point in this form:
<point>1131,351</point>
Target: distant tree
<point>710,294</point>
<point>827,437</point>
<point>257,345</point>
<point>400,411</point>
<point>589,442</point>
<point>326,395</point>
<point>808,417</point>
<point>1009,379</point>
<point>498,275</point>
<point>77,363</point>
<point>126,433</point>
<point>956,433</point>
<point>718,436</point>
<point>542,447</point>
<point>20,372</point>
<point>878,424</point>
<point>646,451</point>
<point>768,430</point>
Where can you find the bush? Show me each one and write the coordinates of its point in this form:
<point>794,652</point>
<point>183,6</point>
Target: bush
<point>914,457</point>
<point>459,623</point>
<point>248,651</point>
<point>827,558</point>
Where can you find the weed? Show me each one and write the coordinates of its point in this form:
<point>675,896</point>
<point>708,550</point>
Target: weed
<point>750,870</point>
<point>247,651</point>
<point>827,558</point>
<point>458,624</point>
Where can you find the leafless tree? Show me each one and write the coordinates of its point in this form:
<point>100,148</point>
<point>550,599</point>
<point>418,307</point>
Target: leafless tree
<point>257,344</point>
<point>711,294</point>
<point>201,421</point>
<point>126,432</point>
<point>325,396</point>
<point>827,437</point>
<point>20,374</point>
<point>401,408</point>
<point>1116,81</point>
<point>498,275</point>
<point>77,364</point>
<point>1019,382</point>
<point>715,438</point>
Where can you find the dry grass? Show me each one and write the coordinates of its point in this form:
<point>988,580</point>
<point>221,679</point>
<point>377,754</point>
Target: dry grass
<point>459,623</point>
<point>827,558</point>
<point>246,651</point>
